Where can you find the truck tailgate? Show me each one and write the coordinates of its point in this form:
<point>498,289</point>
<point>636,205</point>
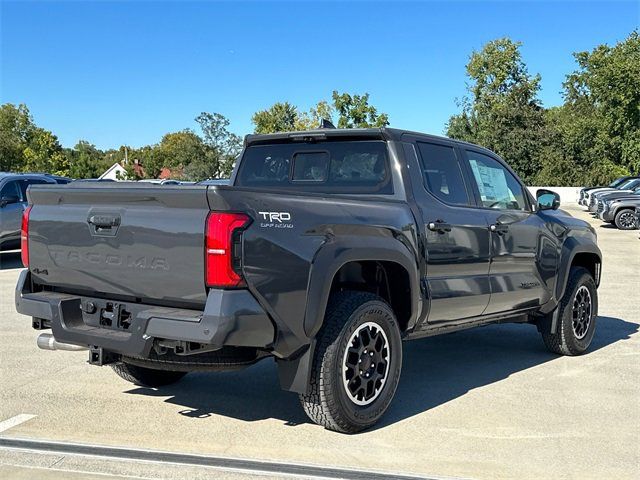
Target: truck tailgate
<point>131,240</point>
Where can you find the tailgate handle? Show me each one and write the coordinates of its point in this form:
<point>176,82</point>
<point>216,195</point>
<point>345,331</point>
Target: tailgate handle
<point>104,221</point>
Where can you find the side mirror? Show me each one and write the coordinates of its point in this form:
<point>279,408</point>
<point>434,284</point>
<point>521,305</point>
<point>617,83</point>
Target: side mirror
<point>7,199</point>
<point>547,200</point>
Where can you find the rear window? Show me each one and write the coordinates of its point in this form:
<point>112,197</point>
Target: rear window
<point>332,167</point>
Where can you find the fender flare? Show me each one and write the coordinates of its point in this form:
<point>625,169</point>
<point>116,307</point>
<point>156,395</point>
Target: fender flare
<point>570,248</point>
<point>294,373</point>
<point>621,207</point>
<point>333,256</point>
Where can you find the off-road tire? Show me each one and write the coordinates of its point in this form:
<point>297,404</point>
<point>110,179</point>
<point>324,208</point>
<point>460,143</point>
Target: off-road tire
<point>326,401</point>
<point>625,220</point>
<point>146,377</point>
<point>564,341</point>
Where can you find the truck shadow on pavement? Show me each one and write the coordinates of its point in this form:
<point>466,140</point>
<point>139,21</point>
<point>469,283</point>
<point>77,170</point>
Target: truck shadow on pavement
<point>9,260</point>
<point>435,371</point>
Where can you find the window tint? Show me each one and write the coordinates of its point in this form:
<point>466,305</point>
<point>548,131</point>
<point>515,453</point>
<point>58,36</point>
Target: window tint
<point>498,188</point>
<point>338,166</point>
<point>10,189</point>
<point>310,167</point>
<point>442,173</point>
<point>617,182</point>
<point>32,181</point>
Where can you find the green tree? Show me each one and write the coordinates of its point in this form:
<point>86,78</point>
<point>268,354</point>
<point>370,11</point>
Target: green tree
<point>354,111</point>
<point>502,111</point>
<point>280,117</point>
<point>86,161</point>
<point>143,156</point>
<point>223,147</point>
<point>15,127</point>
<point>179,149</point>
<point>27,147</point>
<point>311,120</point>
<point>43,153</point>
<point>602,104</point>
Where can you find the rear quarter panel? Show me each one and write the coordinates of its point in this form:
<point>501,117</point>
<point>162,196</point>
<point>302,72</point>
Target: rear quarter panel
<point>282,252</point>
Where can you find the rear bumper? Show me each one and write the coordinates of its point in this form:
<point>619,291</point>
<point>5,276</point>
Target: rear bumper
<point>230,318</point>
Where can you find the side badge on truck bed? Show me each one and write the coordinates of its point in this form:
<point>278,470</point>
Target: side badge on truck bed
<point>275,220</point>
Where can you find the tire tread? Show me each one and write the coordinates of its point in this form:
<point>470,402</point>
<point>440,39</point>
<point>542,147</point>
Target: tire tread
<point>559,342</point>
<point>320,402</point>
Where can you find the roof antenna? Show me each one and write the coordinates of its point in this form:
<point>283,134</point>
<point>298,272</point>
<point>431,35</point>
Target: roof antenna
<point>324,123</point>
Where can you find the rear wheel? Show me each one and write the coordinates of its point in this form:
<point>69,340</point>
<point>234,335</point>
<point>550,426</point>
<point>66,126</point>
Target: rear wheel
<point>577,313</point>
<point>625,220</point>
<point>356,364</point>
<point>146,377</point>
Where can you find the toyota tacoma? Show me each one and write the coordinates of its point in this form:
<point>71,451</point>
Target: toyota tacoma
<point>325,252</point>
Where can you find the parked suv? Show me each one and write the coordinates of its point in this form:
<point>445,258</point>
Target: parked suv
<point>583,193</point>
<point>13,200</point>
<point>620,210</point>
<point>325,252</point>
<point>625,187</point>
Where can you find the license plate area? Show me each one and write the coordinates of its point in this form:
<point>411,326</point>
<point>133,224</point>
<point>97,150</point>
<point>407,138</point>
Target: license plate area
<point>108,314</point>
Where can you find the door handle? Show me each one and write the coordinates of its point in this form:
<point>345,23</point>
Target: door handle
<point>104,221</point>
<point>499,228</point>
<point>439,226</point>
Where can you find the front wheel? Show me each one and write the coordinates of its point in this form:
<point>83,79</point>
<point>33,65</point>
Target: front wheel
<point>356,364</point>
<point>625,220</point>
<point>577,313</point>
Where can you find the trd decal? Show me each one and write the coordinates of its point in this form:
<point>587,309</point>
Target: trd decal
<point>275,220</point>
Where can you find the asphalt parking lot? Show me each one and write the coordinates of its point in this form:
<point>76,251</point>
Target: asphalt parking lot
<point>484,403</point>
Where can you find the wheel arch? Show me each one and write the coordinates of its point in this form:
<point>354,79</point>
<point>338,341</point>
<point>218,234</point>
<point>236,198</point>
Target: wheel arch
<point>622,208</point>
<point>577,254</point>
<point>338,263</point>
<point>338,256</point>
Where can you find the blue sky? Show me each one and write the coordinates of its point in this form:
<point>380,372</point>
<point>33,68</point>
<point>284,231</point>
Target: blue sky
<point>127,72</point>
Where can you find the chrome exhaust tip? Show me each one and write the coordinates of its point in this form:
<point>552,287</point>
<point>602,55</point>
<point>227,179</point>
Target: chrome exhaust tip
<point>46,341</point>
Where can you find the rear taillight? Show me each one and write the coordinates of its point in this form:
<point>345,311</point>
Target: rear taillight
<point>222,249</point>
<point>24,237</point>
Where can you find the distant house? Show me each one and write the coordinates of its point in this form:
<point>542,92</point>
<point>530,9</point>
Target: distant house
<point>167,173</point>
<point>138,170</point>
<point>118,172</point>
<point>114,172</point>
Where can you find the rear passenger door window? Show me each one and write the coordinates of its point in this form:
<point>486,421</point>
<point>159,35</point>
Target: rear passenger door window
<point>10,189</point>
<point>498,187</point>
<point>24,184</point>
<point>442,173</point>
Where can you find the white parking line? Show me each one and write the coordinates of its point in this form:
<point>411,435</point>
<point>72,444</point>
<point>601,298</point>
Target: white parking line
<point>162,458</point>
<point>15,421</point>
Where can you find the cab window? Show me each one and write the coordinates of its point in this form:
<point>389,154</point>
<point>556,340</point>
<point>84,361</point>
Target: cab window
<point>354,166</point>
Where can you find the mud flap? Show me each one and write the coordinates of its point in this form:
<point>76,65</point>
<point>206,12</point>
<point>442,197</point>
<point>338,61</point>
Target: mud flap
<point>294,373</point>
<point>549,322</point>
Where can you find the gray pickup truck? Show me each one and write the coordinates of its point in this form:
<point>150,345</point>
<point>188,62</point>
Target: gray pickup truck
<point>327,249</point>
